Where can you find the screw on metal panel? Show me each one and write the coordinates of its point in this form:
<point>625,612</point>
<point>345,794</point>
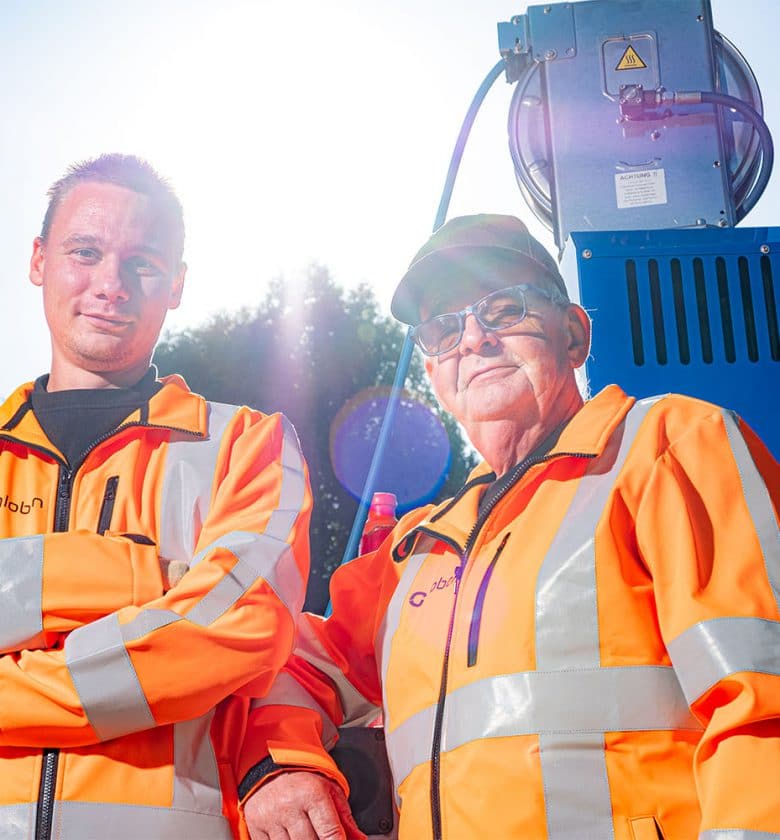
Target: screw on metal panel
<point>547,9</point>
<point>655,135</point>
<point>764,249</point>
<point>516,19</point>
<point>722,223</point>
<point>570,50</point>
<point>549,55</point>
<point>587,253</point>
<point>385,825</point>
<point>701,222</point>
<point>716,164</point>
<point>700,18</point>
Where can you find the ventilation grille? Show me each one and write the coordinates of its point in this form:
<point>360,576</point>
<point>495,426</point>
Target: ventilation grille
<point>683,311</point>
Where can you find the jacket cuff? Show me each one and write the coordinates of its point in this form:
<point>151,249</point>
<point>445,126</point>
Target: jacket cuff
<point>257,773</point>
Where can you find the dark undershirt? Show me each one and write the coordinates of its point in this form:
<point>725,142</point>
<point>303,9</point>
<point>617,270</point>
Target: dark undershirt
<point>499,485</point>
<point>75,420</point>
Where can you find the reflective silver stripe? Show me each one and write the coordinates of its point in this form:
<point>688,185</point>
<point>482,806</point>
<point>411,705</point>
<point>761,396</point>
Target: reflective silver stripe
<point>392,618</point>
<point>711,650</point>
<point>81,820</point>
<point>737,834</point>
<point>578,802</point>
<point>17,821</point>
<point>293,486</point>
<point>357,709</point>
<point>267,555</point>
<point>190,465</point>
<point>21,589</point>
<point>758,502</point>
<point>195,775</point>
<point>561,704</point>
<point>147,621</point>
<point>566,586</point>
<point>287,691</point>
<point>396,754</point>
<point>106,681</point>
<point>259,556</point>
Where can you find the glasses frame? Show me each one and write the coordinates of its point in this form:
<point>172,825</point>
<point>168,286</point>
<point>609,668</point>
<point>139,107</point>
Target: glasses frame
<point>553,295</point>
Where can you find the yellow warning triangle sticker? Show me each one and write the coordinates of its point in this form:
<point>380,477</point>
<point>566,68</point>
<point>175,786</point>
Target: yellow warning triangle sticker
<point>630,60</point>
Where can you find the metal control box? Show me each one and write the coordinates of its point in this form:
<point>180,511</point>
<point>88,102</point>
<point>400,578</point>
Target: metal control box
<point>590,165</point>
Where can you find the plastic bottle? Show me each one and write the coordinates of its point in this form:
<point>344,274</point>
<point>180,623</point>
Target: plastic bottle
<point>380,521</point>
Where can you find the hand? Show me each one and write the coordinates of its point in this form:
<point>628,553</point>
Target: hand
<point>172,572</point>
<point>300,805</point>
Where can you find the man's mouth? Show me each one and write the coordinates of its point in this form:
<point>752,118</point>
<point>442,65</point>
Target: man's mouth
<point>107,321</point>
<point>489,372</point>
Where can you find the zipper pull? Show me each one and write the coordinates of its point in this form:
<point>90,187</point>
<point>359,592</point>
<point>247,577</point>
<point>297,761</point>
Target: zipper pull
<point>458,575</point>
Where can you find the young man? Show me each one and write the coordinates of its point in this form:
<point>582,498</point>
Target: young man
<point>117,719</point>
<point>584,643</point>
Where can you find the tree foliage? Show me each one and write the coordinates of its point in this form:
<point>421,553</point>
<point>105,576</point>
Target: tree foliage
<point>307,350</point>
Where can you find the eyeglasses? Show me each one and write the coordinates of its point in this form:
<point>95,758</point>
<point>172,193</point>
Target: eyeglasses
<point>497,311</point>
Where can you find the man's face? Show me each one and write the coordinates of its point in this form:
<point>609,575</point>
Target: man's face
<point>514,374</point>
<point>110,270</point>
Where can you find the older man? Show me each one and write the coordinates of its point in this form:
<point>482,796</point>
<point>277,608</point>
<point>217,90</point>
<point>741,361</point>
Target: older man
<point>582,643</point>
<point>117,719</point>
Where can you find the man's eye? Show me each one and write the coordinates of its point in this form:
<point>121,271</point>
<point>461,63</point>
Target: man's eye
<point>143,267</point>
<point>86,254</point>
<point>504,313</point>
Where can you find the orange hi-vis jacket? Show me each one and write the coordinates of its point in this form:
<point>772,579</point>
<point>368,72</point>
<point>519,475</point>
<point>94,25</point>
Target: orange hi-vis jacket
<point>118,716</point>
<point>594,657</point>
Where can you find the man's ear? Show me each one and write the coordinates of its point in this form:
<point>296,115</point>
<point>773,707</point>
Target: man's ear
<point>578,330</point>
<point>177,287</point>
<point>37,261</point>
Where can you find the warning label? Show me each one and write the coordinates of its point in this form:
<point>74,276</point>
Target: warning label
<point>630,60</point>
<point>640,189</point>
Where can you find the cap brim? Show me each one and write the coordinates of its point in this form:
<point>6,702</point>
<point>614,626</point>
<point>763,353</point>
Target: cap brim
<point>487,267</point>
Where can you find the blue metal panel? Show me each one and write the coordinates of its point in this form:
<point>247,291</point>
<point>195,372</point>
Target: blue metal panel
<point>691,311</point>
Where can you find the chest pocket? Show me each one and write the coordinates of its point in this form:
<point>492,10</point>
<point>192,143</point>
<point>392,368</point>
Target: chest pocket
<point>645,828</point>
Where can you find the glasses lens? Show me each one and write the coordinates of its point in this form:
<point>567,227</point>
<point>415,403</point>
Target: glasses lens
<point>501,309</point>
<point>439,334</point>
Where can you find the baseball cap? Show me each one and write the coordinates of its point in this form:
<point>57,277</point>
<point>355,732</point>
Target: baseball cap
<point>488,248</point>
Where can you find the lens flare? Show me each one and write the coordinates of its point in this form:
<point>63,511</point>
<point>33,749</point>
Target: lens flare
<point>417,455</point>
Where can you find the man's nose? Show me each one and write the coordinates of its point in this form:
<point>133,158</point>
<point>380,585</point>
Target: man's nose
<point>475,337</point>
<point>109,281</point>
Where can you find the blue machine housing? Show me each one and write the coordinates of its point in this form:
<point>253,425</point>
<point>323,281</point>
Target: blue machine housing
<point>690,311</point>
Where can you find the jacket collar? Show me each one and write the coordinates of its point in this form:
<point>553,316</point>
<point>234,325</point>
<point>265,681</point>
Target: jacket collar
<point>174,406</point>
<point>586,434</point>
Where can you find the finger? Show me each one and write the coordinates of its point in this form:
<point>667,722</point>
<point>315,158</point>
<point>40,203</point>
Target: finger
<point>325,819</point>
<point>298,828</point>
<point>345,815</point>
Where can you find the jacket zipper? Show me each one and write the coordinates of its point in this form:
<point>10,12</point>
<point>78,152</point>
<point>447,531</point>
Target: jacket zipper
<point>517,473</point>
<point>107,508</point>
<point>50,757</point>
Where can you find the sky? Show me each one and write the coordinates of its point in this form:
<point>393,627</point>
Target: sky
<point>294,133</point>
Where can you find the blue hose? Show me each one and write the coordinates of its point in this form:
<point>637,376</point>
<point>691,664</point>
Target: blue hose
<point>402,367</point>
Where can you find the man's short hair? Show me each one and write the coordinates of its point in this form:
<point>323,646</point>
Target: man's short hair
<point>128,171</point>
